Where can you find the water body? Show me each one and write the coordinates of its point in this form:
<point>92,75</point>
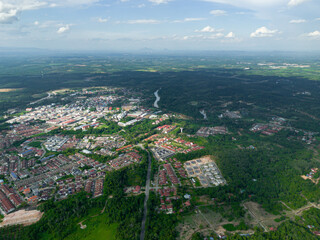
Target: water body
<point>204,114</point>
<point>156,93</point>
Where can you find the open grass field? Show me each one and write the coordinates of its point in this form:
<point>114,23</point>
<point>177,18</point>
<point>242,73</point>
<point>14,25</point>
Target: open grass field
<point>96,229</point>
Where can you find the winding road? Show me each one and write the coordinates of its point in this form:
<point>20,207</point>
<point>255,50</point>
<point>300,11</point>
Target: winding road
<point>143,225</point>
<point>39,100</point>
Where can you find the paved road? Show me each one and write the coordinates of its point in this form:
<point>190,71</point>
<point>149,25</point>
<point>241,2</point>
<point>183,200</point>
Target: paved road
<point>143,225</point>
<point>47,97</point>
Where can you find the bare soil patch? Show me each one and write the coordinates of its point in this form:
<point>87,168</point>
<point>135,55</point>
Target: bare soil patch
<point>4,90</point>
<point>21,217</point>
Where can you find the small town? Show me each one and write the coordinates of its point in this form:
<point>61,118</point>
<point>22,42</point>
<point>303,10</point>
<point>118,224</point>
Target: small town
<point>59,150</point>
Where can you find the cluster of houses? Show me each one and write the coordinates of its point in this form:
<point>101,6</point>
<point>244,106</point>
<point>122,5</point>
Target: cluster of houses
<point>151,138</point>
<point>167,196</point>
<point>125,160</point>
<point>26,130</point>
<point>274,126</point>
<point>36,175</point>
<point>43,178</point>
<point>168,171</point>
<point>266,129</point>
<point>208,131</point>
<point>162,153</point>
<point>231,114</point>
<point>166,128</point>
<point>31,151</point>
<point>311,175</point>
<point>9,199</point>
<point>162,177</point>
<point>308,137</point>
<point>55,143</point>
<point>106,142</point>
<point>171,173</point>
<point>179,167</point>
<point>18,132</point>
<point>206,171</point>
<point>133,190</point>
<point>189,145</point>
<point>166,147</point>
<point>83,161</point>
<point>8,163</point>
<point>72,185</point>
<point>163,118</point>
<point>81,114</point>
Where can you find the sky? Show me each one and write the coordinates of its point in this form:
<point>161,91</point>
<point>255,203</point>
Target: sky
<point>133,25</point>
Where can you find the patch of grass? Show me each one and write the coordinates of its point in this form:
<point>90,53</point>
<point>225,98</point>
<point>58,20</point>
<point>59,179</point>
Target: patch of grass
<point>198,184</point>
<point>97,229</point>
<point>230,227</point>
<point>282,218</point>
<point>35,144</point>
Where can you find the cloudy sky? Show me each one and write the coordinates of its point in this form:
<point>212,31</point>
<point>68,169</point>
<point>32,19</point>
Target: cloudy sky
<point>161,24</point>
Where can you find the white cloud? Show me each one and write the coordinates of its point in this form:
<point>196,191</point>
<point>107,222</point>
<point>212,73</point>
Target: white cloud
<point>102,20</point>
<point>207,29</point>
<point>143,21</point>
<point>204,37</point>
<point>8,14</point>
<point>63,29</point>
<point>293,3</point>
<point>48,24</point>
<point>159,1</point>
<point>298,21</point>
<point>218,12</point>
<point>214,36</point>
<point>61,3</point>
<point>230,35</point>
<point>36,23</point>
<point>10,9</point>
<point>263,32</point>
<point>259,5</point>
<point>314,34</point>
<point>251,4</point>
<point>189,20</point>
<point>193,19</point>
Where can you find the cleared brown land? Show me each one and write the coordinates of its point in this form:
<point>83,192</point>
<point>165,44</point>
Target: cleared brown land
<point>21,217</point>
<point>3,90</point>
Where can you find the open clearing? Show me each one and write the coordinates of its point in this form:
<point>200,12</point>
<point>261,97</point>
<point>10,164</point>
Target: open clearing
<point>96,228</point>
<point>205,221</point>
<point>260,216</point>
<point>21,217</point>
<point>4,90</point>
